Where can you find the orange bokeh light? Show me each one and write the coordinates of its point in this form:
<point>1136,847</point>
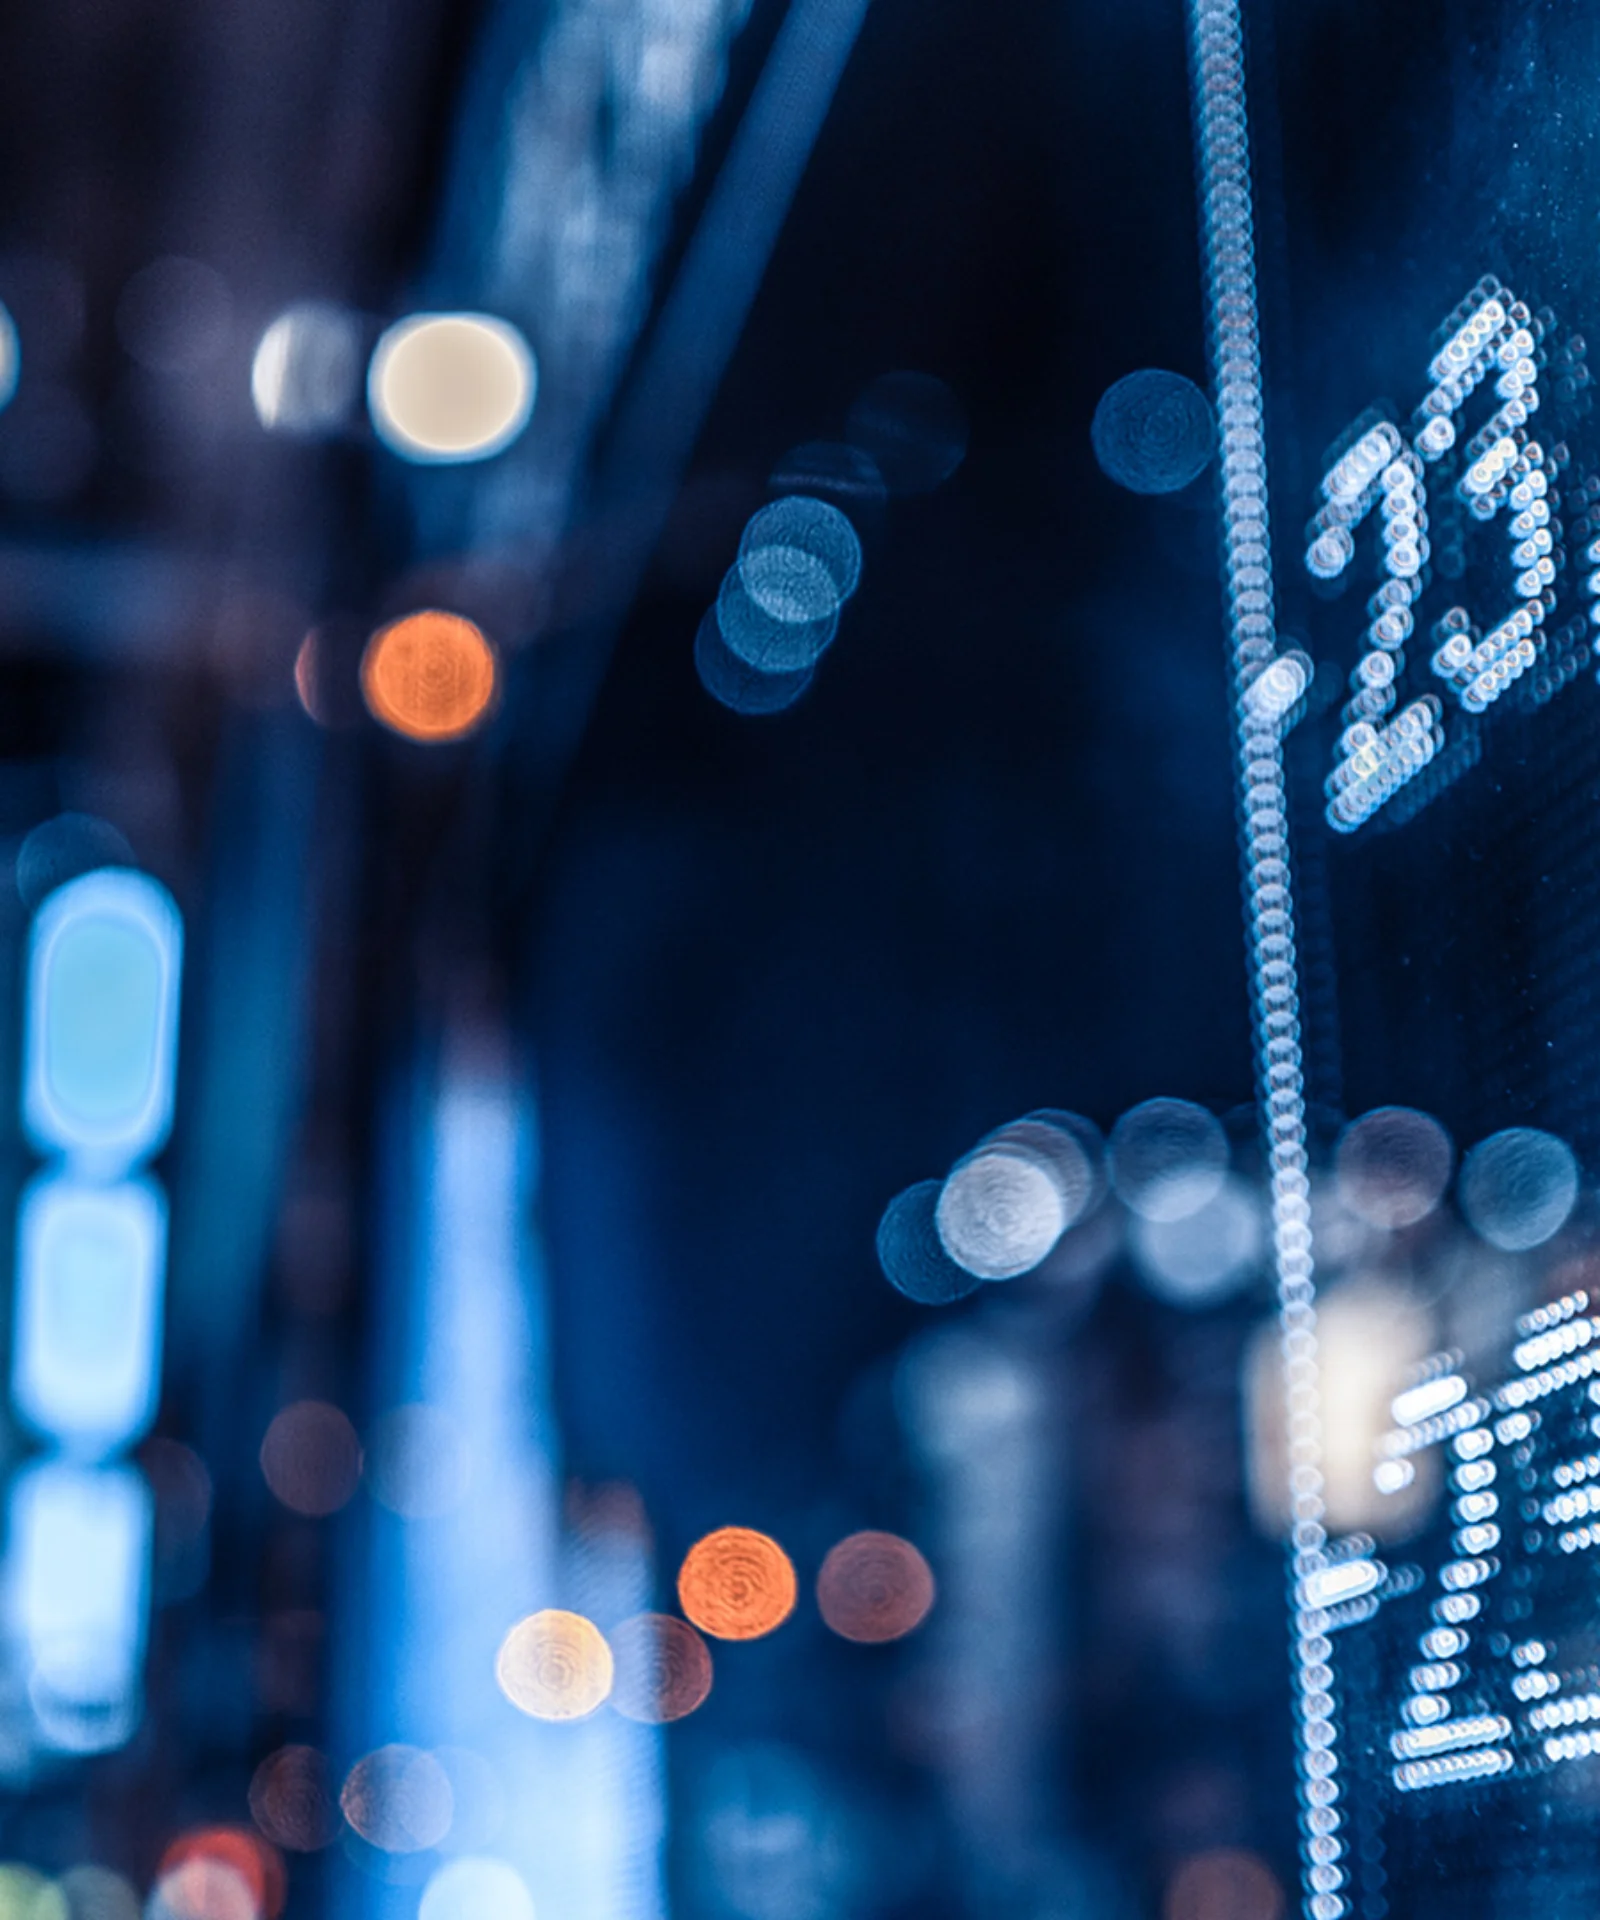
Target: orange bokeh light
<point>663,1668</point>
<point>430,676</point>
<point>1224,1883</point>
<point>555,1666</point>
<point>737,1584</point>
<point>201,1872</point>
<point>874,1587</point>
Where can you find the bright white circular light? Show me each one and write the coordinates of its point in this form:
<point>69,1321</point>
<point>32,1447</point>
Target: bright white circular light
<point>1000,1213</point>
<point>10,358</point>
<point>307,369</point>
<point>451,386</point>
<point>476,1888</point>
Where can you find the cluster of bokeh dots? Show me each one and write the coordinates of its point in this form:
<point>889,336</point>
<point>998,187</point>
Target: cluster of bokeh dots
<point>1169,1187</point>
<point>1193,1226</point>
<point>734,1584</point>
<point>800,557</point>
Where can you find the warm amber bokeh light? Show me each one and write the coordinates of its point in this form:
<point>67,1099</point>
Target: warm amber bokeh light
<point>311,1458</point>
<point>429,676</point>
<point>663,1668</point>
<point>291,1799</point>
<point>1225,1883</point>
<point>874,1587</point>
<point>555,1666</point>
<point>737,1584</point>
<point>398,1799</point>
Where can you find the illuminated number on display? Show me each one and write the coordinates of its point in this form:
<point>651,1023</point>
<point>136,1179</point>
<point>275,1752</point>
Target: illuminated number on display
<point>1383,470</point>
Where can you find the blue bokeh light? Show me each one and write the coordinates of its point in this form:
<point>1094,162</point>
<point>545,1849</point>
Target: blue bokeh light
<point>769,645</point>
<point>1153,432</point>
<point>735,683</point>
<point>912,1254</point>
<point>800,559</point>
<point>85,1364</point>
<point>102,1027</point>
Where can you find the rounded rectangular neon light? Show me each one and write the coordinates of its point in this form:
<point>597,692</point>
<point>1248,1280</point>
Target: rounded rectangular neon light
<point>102,1025</point>
<point>85,1360</point>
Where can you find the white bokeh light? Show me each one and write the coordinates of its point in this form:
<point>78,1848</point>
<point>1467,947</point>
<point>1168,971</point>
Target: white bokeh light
<point>1207,1254</point>
<point>476,1887</point>
<point>451,386</point>
<point>307,369</point>
<point>1001,1211</point>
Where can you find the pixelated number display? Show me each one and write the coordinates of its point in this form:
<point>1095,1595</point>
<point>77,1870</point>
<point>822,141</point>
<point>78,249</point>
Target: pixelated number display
<point>1425,486</point>
<point>1481,1665</point>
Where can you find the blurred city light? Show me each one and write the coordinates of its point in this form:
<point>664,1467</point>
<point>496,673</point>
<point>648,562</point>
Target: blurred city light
<point>1205,1255</point>
<point>306,374</point>
<point>476,1888</point>
<point>416,1462</point>
<point>430,676</point>
<point>10,357</point>
<point>1005,1205</point>
<point>398,1799</point>
<point>761,639</point>
<point>1372,1334</point>
<point>60,849</point>
<point>737,1584</point>
<point>799,559</point>
<point>311,1458</point>
<point>736,684</point>
<point>86,1351</point>
<point>102,1037</point>
<point>26,1894</point>
<point>1225,1883</point>
<point>1393,1166</point>
<point>292,1799</point>
<point>1518,1187</point>
<point>97,1893</point>
<point>451,386</point>
<point>874,1587</point>
<point>663,1669</point>
<point>1153,432</point>
<point>913,428</point>
<point>911,1250</point>
<point>76,1582</point>
<point>836,471</point>
<point>555,1665</point>
<point>205,1872</point>
<point>1000,1212</point>
<point>175,315</point>
<point>1167,1158</point>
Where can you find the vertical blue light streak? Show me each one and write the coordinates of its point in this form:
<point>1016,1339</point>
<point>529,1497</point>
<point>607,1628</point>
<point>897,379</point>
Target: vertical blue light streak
<point>465,1334</point>
<point>1217,77</point>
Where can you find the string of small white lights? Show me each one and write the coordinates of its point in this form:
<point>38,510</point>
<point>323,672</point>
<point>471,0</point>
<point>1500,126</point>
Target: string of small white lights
<point>1217,79</point>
